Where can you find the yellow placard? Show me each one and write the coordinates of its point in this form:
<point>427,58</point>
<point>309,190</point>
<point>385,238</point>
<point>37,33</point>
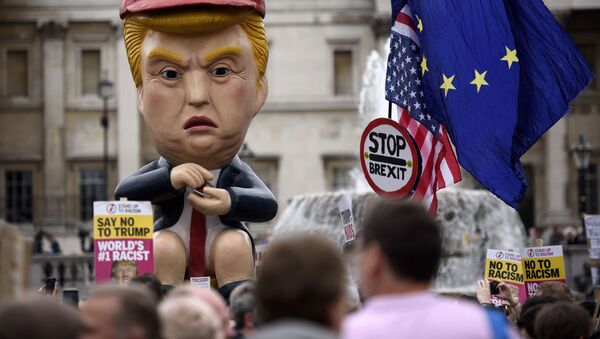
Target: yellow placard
<point>502,270</point>
<point>123,226</point>
<point>544,269</point>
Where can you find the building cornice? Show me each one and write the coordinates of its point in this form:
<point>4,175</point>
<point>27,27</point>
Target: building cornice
<point>343,105</point>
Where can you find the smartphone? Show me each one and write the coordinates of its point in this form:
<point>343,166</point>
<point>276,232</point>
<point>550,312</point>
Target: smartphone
<point>71,297</point>
<point>50,285</point>
<point>200,193</point>
<point>494,289</point>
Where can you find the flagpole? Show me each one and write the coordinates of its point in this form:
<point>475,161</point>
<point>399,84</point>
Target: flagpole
<point>389,110</point>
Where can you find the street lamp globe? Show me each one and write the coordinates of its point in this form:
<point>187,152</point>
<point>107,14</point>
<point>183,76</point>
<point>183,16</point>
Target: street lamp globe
<point>105,87</point>
<point>582,151</point>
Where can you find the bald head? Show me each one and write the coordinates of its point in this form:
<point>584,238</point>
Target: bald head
<point>189,318</point>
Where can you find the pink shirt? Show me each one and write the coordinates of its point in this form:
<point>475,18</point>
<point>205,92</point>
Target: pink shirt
<point>418,315</point>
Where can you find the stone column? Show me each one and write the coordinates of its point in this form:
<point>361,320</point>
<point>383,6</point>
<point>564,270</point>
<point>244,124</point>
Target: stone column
<point>54,121</point>
<point>557,176</point>
<point>128,118</point>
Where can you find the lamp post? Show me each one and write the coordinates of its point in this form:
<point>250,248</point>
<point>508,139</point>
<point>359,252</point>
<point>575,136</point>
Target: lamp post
<point>582,152</point>
<point>105,91</point>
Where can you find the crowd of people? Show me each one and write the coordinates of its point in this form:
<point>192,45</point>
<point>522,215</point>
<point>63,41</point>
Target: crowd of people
<point>303,290</point>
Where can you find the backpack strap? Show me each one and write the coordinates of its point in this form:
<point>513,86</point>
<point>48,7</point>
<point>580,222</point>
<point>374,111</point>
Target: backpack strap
<point>498,322</point>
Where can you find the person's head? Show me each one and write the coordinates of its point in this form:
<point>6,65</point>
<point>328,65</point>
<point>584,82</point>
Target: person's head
<point>200,76</point>
<point>401,246</point>
<point>188,318</point>
<point>39,318</point>
<point>123,271</point>
<point>562,320</point>
<point>210,297</point>
<point>529,311</point>
<point>301,278</point>
<point>556,290</point>
<point>242,304</point>
<point>149,281</point>
<point>589,306</point>
<point>120,312</point>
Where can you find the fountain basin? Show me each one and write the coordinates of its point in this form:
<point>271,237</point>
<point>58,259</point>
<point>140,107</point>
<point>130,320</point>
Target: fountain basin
<point>472,220</point>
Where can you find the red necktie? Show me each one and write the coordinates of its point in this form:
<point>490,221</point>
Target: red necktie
<point>196,263</point>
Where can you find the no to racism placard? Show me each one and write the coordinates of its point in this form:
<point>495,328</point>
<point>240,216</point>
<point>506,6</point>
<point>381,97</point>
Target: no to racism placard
<point>505,266</point>
<point>542,264</point>
<point>123,233</point>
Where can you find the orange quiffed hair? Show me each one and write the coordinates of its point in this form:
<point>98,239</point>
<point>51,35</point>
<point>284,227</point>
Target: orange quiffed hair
<point>192,22</point>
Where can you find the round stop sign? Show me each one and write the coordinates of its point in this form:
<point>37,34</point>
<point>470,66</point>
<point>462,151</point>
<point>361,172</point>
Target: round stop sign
<point>390,159</point>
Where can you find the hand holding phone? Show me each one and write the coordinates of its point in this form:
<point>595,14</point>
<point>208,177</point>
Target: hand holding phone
<point>71,297</point>
<point>49,286</point>
<point>494,289</point>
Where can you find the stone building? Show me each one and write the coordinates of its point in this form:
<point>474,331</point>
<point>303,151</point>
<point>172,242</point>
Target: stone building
<point>54,53</point>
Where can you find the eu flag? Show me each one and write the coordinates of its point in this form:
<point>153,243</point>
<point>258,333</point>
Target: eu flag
<point>497,74</point>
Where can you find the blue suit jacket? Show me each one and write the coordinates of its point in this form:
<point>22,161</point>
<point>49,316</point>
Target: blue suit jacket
<point>251,200</point>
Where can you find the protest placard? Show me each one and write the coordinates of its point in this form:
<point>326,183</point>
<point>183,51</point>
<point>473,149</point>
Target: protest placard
<point>542,264</point>
<point>203,282</point>
<point>345,208</point>
<point>505,266</point>
<point>123,233</point>
<point>592,230</point>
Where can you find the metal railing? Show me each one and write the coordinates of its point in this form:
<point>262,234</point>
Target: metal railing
<point>70,270</point>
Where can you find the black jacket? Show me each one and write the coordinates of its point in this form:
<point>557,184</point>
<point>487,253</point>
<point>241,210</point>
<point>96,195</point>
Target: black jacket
<point>251,200</point>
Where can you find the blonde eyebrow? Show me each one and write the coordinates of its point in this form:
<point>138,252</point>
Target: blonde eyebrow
<point>221,52</point>
<point>165,54</point>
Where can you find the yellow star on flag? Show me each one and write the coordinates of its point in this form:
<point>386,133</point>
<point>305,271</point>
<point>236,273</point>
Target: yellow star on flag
<point>424,65</point>
<point>447,85</point>
<point>479,80</point>
<point>511,56</point>
<point>419,24</point>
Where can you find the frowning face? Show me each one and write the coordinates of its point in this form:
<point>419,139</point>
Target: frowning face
<point>199,94</point>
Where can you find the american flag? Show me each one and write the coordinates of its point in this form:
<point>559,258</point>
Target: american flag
<point>404,89</point>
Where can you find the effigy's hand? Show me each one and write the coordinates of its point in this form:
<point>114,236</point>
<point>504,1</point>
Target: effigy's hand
<point>190,175</point>
<point>216,201</point>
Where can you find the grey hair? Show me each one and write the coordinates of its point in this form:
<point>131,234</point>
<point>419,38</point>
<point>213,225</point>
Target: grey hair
<point>188,318</point>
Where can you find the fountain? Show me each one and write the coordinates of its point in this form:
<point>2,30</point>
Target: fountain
<point>473,220</point>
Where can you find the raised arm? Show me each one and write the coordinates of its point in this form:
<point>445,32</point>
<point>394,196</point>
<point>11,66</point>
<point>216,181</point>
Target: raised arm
<point>151,182</point>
